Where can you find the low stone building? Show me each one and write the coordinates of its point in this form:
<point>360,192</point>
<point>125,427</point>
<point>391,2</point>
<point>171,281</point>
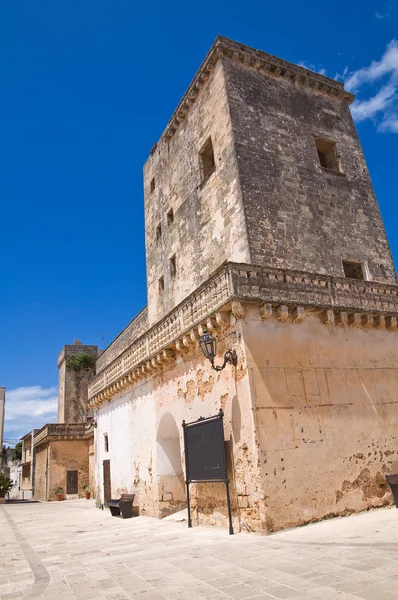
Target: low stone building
<point>262,228</point>
<point>62,460</point>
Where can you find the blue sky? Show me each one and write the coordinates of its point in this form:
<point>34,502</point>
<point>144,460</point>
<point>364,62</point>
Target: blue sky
<point>87,88</point>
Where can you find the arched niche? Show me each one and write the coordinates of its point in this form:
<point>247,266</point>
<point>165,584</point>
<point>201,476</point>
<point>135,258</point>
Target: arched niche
<point>169,466</point>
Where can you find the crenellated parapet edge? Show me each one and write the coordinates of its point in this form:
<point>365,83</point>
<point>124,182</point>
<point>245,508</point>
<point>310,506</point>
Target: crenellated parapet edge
<point>269,65</point>
<point>284,295</point>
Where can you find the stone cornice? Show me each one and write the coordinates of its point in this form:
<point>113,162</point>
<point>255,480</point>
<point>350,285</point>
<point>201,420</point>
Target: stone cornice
<point>62,431</point>
<point>271,66</point>
<point>283,294</point>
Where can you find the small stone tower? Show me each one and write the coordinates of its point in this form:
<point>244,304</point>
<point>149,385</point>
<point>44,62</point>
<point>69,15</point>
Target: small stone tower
<point>72,382</point>
<point>259,164</point>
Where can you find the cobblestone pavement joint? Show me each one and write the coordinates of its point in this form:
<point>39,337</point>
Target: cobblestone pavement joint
<point>73,551</point>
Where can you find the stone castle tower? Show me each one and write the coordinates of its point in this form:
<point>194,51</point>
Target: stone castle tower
<point>261,227</point>
<point>264,167</point>
<point>72,384</point>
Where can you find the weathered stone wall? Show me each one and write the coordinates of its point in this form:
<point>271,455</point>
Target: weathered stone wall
<point>133,331</point>
<point>325,405</point>
<point>40,475</point>
<point>208,226</point>
<point>299,215</point>
<point>149,417</point>
<point>115,421</point>
<point>72,385</point>
<point>67,455</point>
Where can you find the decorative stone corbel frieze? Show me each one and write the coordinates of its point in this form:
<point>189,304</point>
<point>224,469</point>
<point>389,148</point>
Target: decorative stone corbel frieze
<point>180,347</point>
<point>298,314</point>
<point>222,319</point>
<point>270,65</point>
<point>201,329</point>
<point>282,313</point>
<point>328,317</point>
<point>265,311</point>
<point>367,321</point>
<point>229,289</point>
<point>188,342</point>
<point>212,325</point>
<point>194,335</point>
<point>342,318</point>
<point>238,310</point>
<point>354,320</point>
<point>380,321</point>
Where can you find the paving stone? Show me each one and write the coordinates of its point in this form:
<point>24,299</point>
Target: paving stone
<point>165,561</point>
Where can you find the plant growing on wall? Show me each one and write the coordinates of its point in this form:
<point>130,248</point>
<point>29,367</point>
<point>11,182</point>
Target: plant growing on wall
<point>5,485</point>
<point>81,361</point>
<point>17,454</point>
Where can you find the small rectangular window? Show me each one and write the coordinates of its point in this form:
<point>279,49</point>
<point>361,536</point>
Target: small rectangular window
<point>170,217</point>
<point>327,155</point>
<point>173,266</point>
<point>158,232</point>
<point>161,284</point>
<point>153,185</point>
<point>206,160</point>
<point>106,442</point>
<point>353,270</point>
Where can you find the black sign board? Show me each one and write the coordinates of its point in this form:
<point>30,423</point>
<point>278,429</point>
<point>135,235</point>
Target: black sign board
<point>205,455</point>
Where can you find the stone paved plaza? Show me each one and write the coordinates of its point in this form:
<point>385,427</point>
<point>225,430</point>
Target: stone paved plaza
<point>71,550</point>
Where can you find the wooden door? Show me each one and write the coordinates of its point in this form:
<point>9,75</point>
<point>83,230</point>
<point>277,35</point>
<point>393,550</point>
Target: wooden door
<point>72,482</point>
<point>107,480</point>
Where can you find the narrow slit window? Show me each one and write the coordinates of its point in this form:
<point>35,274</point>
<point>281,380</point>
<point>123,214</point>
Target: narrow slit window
<point>153,185</point>
<point>158,232</point>
<point>170,217</point>
<point>353,270</point>
<point>106,442</point>
<point>206,159</point>
<point>327,155</point>
<point>173,266</point>
<point>161,284</point>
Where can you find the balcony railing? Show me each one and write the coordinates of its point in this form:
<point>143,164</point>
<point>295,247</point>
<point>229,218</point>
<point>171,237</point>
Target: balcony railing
<point>253,284</point>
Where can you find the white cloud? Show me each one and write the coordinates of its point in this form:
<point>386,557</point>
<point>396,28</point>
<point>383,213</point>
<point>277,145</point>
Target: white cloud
<point>377,69</point>
<point>29,408</point>
<point>381,104</point>
<point>366,109</point>
<point>390,123</point>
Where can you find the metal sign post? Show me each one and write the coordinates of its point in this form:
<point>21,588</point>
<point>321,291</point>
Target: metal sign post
<point>205,456</point>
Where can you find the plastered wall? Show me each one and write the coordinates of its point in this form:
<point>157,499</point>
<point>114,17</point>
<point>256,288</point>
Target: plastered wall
<point>325,404</point>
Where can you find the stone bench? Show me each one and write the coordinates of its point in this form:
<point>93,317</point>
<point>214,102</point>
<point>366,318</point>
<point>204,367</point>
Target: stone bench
<point>123,506</point>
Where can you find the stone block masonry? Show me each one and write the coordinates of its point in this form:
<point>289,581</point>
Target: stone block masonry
<point>72,386</point>
<point>262,228</point>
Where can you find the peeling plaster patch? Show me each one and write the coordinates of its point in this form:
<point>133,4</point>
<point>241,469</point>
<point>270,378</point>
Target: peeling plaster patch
<point>224,400</point>
<point>204,387</point>
<point>190,392</point>
<point>372,487</point>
